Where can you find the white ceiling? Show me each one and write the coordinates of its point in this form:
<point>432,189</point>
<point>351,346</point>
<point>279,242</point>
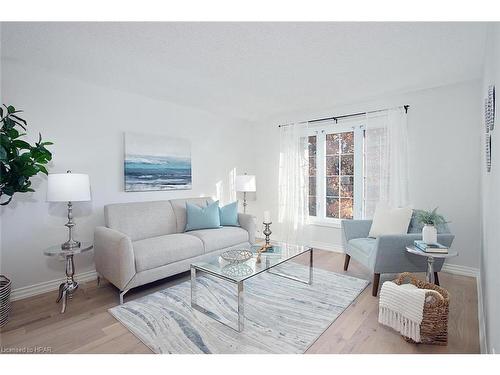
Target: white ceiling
<point>254,70</point>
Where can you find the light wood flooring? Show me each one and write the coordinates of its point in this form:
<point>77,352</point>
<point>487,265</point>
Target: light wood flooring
<point>87,327</point>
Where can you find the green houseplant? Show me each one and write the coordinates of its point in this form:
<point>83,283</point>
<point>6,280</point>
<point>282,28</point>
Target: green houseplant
<point>430,219</point>
<point>19,162</point>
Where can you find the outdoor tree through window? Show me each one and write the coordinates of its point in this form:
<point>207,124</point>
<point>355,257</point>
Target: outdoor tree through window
<point>335,169</point>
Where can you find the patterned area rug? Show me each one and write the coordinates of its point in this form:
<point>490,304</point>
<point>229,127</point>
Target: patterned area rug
<point>281,315</point>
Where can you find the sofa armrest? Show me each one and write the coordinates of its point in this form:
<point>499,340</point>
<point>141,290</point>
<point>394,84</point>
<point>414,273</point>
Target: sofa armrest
<point>247,222</point>
<point>355,229</point>
<point>114,256</point>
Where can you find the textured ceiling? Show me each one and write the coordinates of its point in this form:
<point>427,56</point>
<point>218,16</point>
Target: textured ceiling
<point>253,70</point>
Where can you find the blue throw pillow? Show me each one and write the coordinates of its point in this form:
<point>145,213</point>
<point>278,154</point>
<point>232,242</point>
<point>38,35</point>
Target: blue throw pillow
<point>229,215</point>
<point>202,217</point>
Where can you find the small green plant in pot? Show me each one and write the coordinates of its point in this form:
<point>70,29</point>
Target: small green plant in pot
<point>19,162</point>
<point>430,219</point>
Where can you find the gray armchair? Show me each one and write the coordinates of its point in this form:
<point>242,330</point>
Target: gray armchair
<point>387,254</point>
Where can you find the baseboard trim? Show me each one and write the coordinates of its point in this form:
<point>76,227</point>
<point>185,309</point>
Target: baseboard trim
<point>457,269</point>
<point>326,246</point>
<point>48,286</point>
<point>483,343</point>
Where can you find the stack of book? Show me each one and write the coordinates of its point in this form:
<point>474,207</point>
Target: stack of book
<point>430,248</point>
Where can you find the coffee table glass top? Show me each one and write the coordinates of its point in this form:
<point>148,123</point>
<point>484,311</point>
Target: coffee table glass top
<point>281,252</point>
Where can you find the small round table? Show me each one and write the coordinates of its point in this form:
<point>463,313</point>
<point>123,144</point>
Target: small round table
<point>429,275</point>
<point>67,288</point>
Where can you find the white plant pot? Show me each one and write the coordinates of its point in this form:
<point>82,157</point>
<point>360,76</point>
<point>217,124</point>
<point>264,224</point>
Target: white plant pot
<point>429,234</point>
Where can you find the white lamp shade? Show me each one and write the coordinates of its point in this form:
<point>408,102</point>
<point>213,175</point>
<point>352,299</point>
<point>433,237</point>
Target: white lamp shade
<point>68,187</point>
<point>245,183</point>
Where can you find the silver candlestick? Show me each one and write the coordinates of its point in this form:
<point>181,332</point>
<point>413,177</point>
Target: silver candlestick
<point>267,232</point>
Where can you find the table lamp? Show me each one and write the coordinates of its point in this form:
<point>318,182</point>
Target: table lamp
<point>245,184</point>
<point>68,187</point>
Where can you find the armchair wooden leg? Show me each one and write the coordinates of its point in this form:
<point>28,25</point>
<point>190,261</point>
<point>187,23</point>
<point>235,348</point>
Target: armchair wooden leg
<point>376,281</point>
<point>346,261</point>
<point>436,278</point>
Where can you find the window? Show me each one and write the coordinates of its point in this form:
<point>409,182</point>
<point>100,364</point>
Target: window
<point>336,172</point>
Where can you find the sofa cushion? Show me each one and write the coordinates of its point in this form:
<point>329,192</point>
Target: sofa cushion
<point>216,239</point>
<point>140,220</point>
<point>179,207</point>
<point>159,251</point>
<point>202,217</point>
<point>229,215</point>
<point>365,245</point>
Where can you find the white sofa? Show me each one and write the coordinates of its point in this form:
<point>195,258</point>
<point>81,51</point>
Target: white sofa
<point>145,241</point>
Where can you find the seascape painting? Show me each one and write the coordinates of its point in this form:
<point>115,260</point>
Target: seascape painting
<point>156,163</point>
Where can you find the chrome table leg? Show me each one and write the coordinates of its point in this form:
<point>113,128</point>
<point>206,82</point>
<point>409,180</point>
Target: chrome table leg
<point>241,307</point>
<point>429,276</point>
<point>310,266</point>
<point>240,300</point>
<point>193,286</point>
<point>64,299</point>
<point>67,288</point>
<point>309,281</point>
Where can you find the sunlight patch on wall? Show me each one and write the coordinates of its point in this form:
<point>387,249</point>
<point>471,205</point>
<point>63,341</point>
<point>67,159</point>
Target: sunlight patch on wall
<point>232,188</point>
<point>219,191</point>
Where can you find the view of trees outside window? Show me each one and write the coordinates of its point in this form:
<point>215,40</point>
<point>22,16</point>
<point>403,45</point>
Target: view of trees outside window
<point>312,146</point>
<point>339,172</point>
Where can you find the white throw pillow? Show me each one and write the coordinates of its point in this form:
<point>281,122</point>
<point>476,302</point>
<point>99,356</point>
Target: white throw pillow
<point>388,220</point>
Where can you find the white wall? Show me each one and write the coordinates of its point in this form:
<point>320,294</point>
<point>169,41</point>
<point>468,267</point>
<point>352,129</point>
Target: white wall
<point>444,151</point>
<point>86,123</point>
<point>490,260</point>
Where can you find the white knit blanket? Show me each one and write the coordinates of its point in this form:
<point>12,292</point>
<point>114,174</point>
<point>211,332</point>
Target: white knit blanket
<point>401,307</point>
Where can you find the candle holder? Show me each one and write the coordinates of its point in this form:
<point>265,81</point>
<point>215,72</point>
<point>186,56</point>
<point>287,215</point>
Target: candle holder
<point>267,232</point>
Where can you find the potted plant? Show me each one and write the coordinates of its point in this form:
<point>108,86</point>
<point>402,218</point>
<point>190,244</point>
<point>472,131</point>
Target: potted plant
<point>19,162</point>
<point>430,219</point>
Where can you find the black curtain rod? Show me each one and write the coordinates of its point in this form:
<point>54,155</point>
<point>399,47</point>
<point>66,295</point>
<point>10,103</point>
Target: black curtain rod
<point>336,118</point>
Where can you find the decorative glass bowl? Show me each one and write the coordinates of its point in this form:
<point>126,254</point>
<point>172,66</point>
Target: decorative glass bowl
<point>236,256</point>
<point>237,270</point>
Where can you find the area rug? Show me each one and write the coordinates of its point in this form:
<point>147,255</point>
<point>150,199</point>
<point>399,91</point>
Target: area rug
<point>281,315</point>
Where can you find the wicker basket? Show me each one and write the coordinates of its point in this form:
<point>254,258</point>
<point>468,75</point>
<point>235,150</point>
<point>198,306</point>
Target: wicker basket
<point>434,326</point>
<point>4,300</point>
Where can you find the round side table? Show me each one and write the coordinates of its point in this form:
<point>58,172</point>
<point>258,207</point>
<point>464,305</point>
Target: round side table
<point>67,288</point>
<point>429,275</point>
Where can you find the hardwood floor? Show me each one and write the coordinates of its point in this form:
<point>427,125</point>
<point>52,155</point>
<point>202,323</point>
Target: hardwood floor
<point>87,327</point>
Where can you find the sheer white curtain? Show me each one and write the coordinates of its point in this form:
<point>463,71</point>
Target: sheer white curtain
<point>386,160</point>
<point>293,183</point>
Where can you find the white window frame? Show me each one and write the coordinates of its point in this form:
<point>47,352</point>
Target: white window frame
<point>320,131</point>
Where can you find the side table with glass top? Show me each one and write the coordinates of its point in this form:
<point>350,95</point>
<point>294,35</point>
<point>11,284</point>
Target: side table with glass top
<point>67,288</point>
<point>429,275</point>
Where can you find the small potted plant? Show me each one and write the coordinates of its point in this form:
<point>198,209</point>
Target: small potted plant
<point>430,220</point>
<point>19,162</point>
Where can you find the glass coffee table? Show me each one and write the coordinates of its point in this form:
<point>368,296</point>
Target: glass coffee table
<point>237,273</point>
